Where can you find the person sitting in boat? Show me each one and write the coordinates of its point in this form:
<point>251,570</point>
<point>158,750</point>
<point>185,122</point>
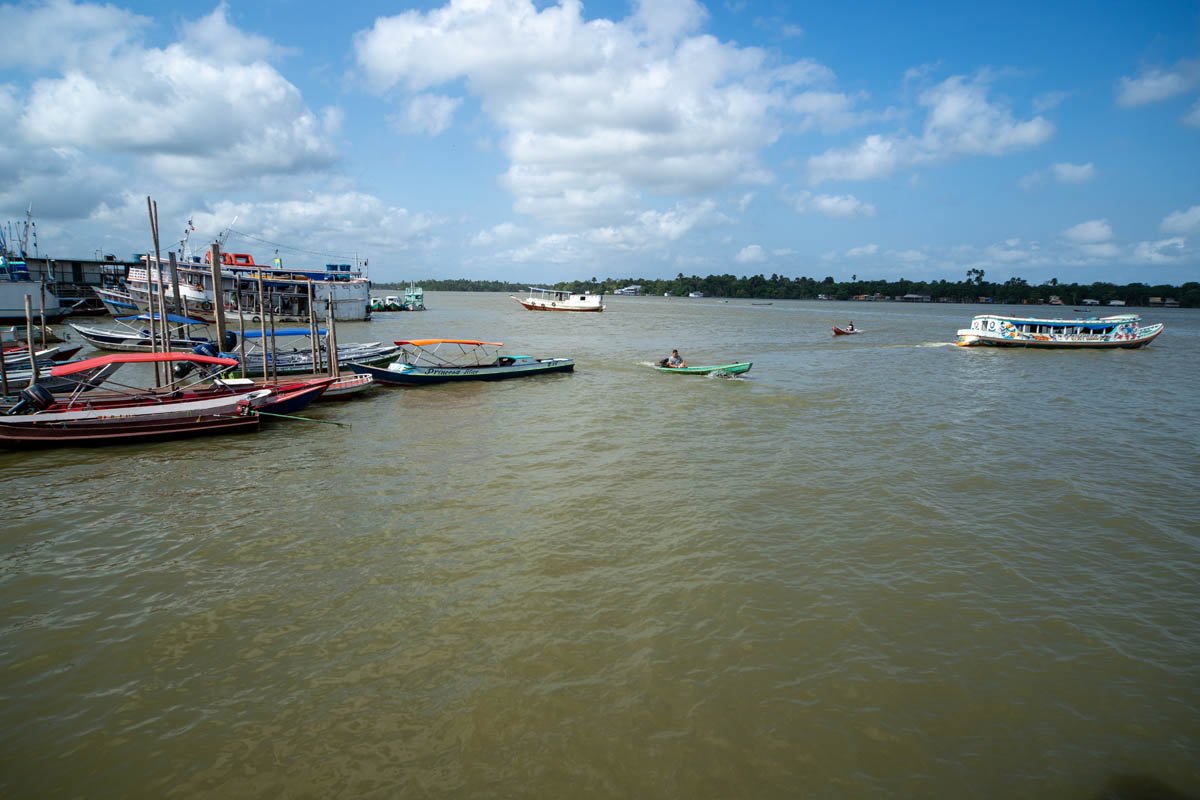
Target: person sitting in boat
<point>676,360</point>
<point>850,327</point>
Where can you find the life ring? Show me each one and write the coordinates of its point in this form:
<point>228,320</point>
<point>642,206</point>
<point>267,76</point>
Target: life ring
<point>206,306</point>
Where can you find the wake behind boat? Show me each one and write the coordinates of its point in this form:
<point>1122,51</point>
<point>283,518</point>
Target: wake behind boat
<point>428,361</point>
<point>995,330</point>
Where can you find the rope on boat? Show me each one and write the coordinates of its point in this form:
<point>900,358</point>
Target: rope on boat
<point>304,419</point>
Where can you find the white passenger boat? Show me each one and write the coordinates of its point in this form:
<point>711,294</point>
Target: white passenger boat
<point>996,330</point>
<point>557,300</point>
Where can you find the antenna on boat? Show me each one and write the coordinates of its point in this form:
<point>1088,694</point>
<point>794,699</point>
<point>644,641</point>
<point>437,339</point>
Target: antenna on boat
<point>228,230</point>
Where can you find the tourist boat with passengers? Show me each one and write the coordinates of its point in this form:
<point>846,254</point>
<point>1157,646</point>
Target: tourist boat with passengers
<point>998,330</point>
<point>427,361</point>
<point>559,300</point>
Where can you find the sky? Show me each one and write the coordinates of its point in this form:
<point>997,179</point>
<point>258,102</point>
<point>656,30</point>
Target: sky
<point>544,142</point>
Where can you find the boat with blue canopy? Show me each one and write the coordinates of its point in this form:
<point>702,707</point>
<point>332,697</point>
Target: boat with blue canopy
<point>134,334</point>
<point>1091,333</point>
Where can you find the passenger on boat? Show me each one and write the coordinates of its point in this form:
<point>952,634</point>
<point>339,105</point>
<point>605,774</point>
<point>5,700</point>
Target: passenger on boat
<point>850,327</point>
<point>676,360</point>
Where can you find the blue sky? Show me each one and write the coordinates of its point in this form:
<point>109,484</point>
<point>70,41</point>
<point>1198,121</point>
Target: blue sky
<point>537,141</point>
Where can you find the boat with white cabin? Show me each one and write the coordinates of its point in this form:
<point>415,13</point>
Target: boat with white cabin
<point>560,300</point>
<point>1120,331</point>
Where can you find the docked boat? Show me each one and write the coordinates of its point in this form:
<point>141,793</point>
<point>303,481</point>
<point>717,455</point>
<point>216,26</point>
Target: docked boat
<point>1120,331</point>
<point>40,419</point>
<point>16,284</point>
<point>427,361</point>
<point>305,356</point>
<point>713,369</point>
<point>288,295</point>
<point>558,300</point>
<point>128,337</point>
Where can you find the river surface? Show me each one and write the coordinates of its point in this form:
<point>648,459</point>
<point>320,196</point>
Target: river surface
<point>877,566</point>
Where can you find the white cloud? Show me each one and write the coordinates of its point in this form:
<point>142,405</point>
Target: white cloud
<point>1192,118</point>
<point>1090,232</point>
<point>1182,221</point>
<point>863,252</point>
<point>427,113</point>
<point>503,232</point>
<point>596,115</point>
<point>910,256</point>
<point>751,254</point>
<point>960,121</point>
<point>343,222</point>
<point>1073,173</point>
<point>65,36</point>
<point>1154,84</point>
<point>648,232</point>
<point>832,205</point>
<point>1164,251</point>
<point>206,108</point>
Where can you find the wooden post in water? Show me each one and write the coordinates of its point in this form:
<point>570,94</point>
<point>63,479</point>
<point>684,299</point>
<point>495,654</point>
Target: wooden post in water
<point>178,301</point>
<point>4,371</point>
<point>43,313</point>
<point>214,255</point>
<point>262,326</point>
<point>314,335</point>
<point>331,340</point>
<point>161,296</point>
<point>33,370</point>
<point>237,283</point>
<point>274,353</point>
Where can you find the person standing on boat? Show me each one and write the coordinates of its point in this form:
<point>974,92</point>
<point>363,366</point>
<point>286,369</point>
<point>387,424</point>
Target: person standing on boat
<point>676,360</point>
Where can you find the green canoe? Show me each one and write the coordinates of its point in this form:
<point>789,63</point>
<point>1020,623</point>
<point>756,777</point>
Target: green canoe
<point>726,369</point>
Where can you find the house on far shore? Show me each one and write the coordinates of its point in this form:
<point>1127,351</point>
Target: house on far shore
<point>1089,302</point>
<point>1168,302</point>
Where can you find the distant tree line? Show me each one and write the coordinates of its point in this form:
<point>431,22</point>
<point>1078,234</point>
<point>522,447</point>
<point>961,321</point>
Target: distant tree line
<point>973,289</point>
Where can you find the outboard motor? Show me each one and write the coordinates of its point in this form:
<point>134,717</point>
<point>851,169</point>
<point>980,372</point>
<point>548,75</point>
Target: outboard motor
<point>229,342</point>
<point>33,398</point>
<point>185,368</point>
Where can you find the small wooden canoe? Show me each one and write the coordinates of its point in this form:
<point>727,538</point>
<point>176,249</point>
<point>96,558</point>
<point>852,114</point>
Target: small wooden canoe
<point>725,369</point>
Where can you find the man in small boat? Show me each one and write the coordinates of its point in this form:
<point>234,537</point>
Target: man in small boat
<point>676,360</point>
<point>850,327</point>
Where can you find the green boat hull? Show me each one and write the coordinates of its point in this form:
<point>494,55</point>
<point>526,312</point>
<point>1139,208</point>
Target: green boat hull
<point>726,369</point>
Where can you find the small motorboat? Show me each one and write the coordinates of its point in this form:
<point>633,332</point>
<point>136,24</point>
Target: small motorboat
<point>712,369</point>
<point>845,331</point>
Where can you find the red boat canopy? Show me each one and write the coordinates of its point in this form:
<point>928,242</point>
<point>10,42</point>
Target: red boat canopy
<point>133,358</point>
